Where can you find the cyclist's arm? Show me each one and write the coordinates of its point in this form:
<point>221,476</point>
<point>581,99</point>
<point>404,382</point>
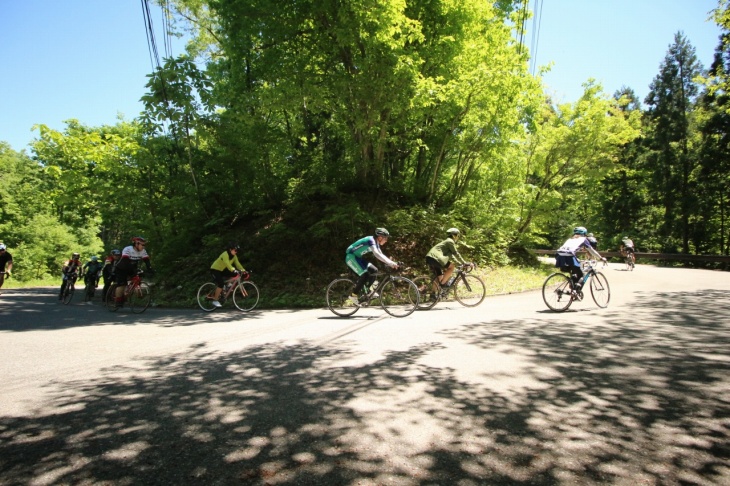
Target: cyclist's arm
<point>593,252</point>
<point>380,256</point>
<point>237,264</point>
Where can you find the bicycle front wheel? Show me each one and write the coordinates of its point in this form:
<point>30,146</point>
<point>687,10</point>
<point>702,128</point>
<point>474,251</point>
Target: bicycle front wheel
<point>600,290</point>
<point>68,294</point>
<point>111,303</point>
<point>556,292</point>
<point>245,296</point>
<point>140,298</point>
<point>399,297</point>
<point>205,296</point>
<point>470,290</point>
<point>338,297</point>
<point>427,296</point>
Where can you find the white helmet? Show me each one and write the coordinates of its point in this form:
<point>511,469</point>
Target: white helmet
<point>2,246</point>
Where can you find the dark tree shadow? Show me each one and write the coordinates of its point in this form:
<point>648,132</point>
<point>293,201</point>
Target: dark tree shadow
<point>617,402</point>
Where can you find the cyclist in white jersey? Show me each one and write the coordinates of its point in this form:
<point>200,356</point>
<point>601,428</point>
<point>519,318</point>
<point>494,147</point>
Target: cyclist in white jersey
<point>567,260</point>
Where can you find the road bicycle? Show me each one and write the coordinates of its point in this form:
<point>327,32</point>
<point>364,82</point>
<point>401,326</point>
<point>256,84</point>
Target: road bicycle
<point>398,295</point>
<point>68,292</point>
<point>137,295</point>
<point>239,290</point>
<point>558,291</point>
<point>90,288</point>
<point>468,289</point>
<point>629,260</point>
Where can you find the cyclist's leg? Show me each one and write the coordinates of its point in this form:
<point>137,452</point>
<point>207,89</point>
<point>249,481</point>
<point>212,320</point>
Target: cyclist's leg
<point>361,269</point>
<point>220,280</point>
<point>437,271</point>
<point>121,275</point>
<point>447,273</point>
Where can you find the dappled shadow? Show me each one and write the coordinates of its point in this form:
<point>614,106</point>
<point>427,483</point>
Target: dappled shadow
<point>621,401</point>
<point>553,402</point>
<point>39,309</point>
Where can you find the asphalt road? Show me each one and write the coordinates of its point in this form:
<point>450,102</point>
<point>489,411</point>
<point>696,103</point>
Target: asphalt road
<point>505,393</point>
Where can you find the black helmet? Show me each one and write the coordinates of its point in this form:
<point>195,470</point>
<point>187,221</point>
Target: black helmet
<point>382,232</point>
<point>232,245</point>
<point>116,252</point>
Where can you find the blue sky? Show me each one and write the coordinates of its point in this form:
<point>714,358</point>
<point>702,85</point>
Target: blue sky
<point>89,59</point>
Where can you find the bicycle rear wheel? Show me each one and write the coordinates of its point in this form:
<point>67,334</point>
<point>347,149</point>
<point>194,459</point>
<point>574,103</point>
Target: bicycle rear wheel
<point>68,293</point>
<point>600,290</point>
<point>338,297</point>
<point>245,296</point>
<point>470,290</point>
<point>205,296</point>
<point>427,298</point>
<point>556,292</point>
<point>399,297</point>
<point>140,298</point>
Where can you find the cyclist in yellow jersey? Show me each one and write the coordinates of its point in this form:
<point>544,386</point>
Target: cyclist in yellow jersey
<point>223,268</point>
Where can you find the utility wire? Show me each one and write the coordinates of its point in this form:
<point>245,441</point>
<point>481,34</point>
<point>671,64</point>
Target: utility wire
<point>536,22</point>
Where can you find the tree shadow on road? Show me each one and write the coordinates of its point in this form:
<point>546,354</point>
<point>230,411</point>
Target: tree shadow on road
<point>644,401</point>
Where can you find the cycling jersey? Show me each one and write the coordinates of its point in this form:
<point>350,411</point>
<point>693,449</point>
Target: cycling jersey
<point>225,262</point>
<point>366,245</point>
<point>444,251</point>
<point>71,266</point>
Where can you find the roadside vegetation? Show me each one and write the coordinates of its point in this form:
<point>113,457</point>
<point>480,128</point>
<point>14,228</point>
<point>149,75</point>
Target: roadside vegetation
<point>299,131</point>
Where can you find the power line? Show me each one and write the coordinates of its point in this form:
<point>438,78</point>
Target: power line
<point>536,21</point>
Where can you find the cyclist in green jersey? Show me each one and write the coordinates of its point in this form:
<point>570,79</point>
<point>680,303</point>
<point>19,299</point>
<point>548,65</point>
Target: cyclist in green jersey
<point>440,258</point>
<point>225,267</point>
<point>367,272</point>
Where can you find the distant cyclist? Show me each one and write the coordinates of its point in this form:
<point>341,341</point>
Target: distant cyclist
<point>440,259</point>
<point>92,271</point>
<point>566,258</point>
<point>592,240</point>
<point>70,268</point>
<point>367,272</point>
<point>223,268</point>
<point>107,271</point>
<point>6,263</point>
<point>127,266</point>
<point>627,248</point>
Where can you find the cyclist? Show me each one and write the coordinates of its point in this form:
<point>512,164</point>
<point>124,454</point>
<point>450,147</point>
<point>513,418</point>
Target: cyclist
<point>627,248</point>
<point>107,272</point>
<point>127,266</point>
<point>6,263</point>
<point>366,271</point>
<point>225,267</point>
<point>566,258</point>
<point>440,258</point>
<point>91,271</point>
<point>592,240</point>
<point>70,267</point>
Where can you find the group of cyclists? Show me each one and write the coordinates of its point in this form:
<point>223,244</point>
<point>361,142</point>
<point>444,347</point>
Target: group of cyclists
<point>440,259</point>
<point>117,268</point>
<point>120,266</point>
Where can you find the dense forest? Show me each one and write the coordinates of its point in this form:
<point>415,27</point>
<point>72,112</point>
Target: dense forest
<point>296,128</point>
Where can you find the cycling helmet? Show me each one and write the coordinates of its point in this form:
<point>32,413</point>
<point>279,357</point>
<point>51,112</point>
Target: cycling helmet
<point>138,239</point>
<point>580,230</point>
<point>75,256</point>
<point>453,232</point>
<point>233,246</point>
<point>590,235</point>
<point>382,232</point>
<point>116,252</point>
<point>94,258</point>
<point>2,246</point>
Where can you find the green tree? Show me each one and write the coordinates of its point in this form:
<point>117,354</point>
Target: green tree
<point>670,138</point>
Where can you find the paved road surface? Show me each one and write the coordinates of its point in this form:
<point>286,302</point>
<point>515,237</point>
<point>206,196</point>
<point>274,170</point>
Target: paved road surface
<point>506,393</point>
